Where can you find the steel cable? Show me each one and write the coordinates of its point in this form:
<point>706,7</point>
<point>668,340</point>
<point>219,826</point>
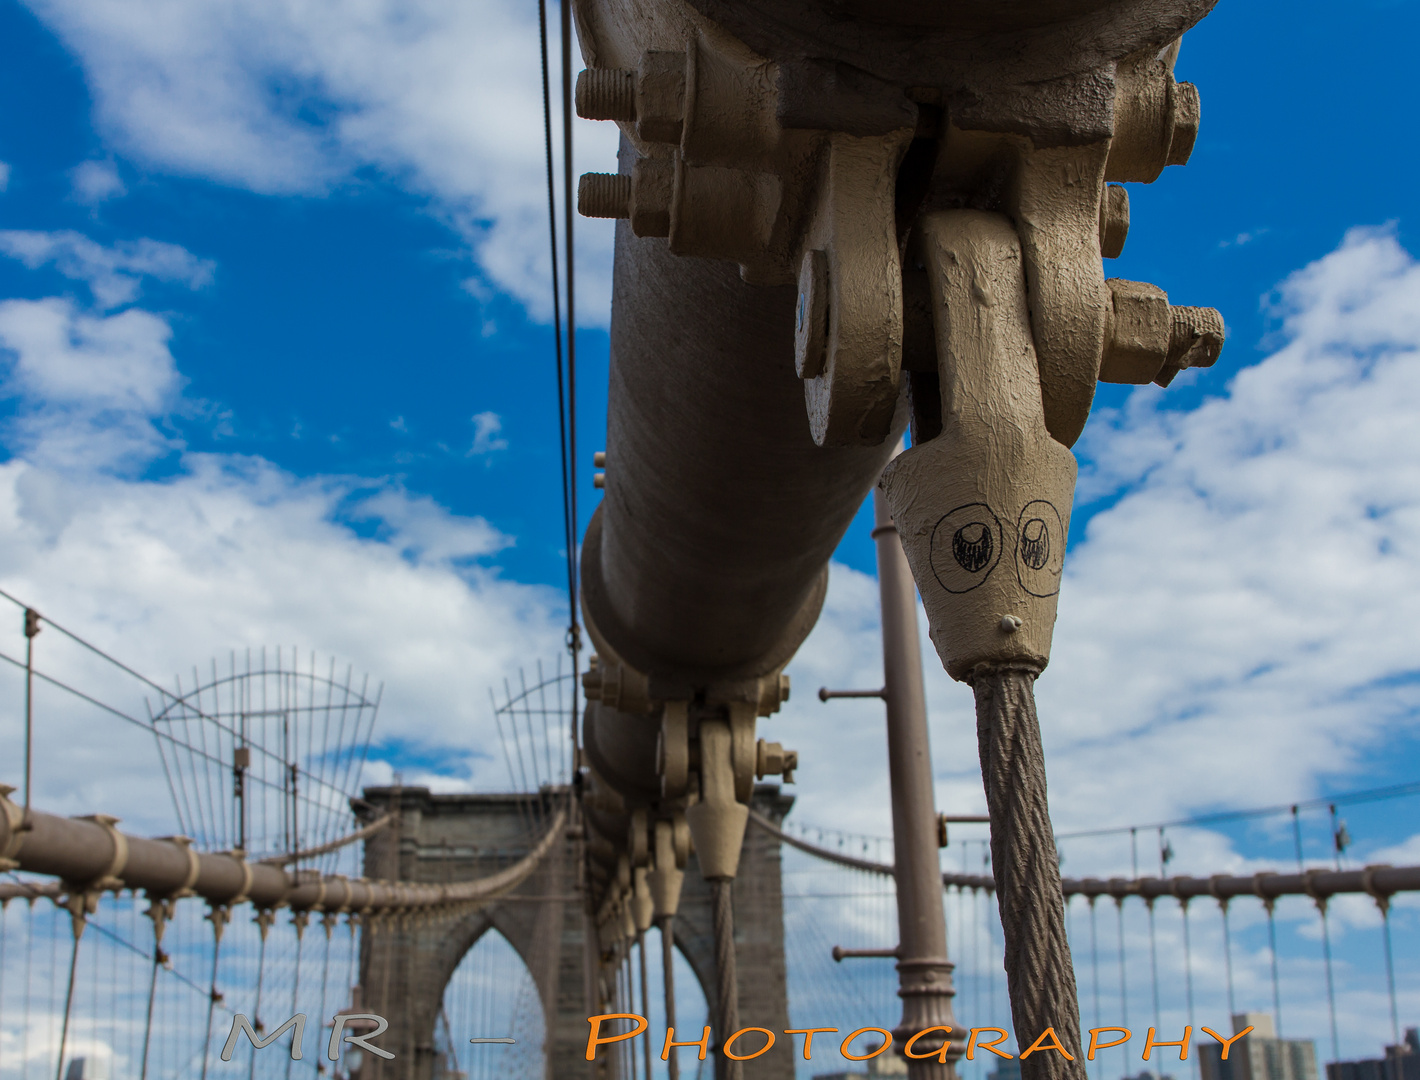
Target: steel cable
<point>722,895</point>
<point>1039,975</point>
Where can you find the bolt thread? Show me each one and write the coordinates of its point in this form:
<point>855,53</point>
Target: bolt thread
<point>604,195</point>
<point>606,94</point>
<point>1197,334</point>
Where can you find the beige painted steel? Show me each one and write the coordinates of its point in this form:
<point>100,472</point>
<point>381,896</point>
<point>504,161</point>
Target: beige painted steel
<point>984,508</point>
<point>88,854</point>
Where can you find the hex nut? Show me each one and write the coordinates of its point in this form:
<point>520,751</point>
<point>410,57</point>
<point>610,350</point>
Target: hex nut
<point>660,97</point>
<point>1140,331</point>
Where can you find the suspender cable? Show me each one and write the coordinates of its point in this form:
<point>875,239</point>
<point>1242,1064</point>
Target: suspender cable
<point>1384,903</point>
<point>263,922</point>
<point>1330,985</point>
<point>299,920</point>
<point>1187,962</point>
<point>668,977</point>
<point>1095,959</point>
<point>219,916</point>
<point>1228,955</point>
<point>79,920</point>
<point>1123,986</point>
<point>1153,960</point>
<point>1270,905</point>
<point>645,1001</point>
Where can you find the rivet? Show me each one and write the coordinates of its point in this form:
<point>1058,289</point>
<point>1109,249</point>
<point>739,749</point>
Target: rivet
<point>1010,624</point>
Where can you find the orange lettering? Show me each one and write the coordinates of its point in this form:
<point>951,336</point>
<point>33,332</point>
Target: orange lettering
<point>595,1039</point>
<point>1182,1044</point>
<point>971,1043</point>
<point>887,1041</point>
<point>1095,1044</point>
<point>768,1042</point>
<point>702,1042</point>
<point>940,1055</point>
<point>1227,1043</point>
<point>1054,1045</point>
<point>808,1034</point>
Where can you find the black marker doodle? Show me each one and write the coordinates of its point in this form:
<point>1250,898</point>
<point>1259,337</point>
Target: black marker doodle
<point>966,546</point>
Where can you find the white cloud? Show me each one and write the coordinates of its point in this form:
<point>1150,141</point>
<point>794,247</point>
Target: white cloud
<point>283,97</point>
<point>114,274</point>
<point>1251,596</point>
<point>4,177</point>
<point>486,437</point>
<point>94,182</point>
<point>224,552</point>
<point>88,386</point>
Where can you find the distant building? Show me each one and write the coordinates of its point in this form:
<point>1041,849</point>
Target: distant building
<point>1260,1055</point>
<point>1401,1062</point>
<point>87,1068</point>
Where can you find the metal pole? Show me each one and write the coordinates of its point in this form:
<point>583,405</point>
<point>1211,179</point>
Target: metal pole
<point>924,972</point>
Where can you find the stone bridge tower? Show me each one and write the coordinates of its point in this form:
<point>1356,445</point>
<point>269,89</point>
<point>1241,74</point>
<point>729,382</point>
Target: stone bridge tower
<point>405,964</point>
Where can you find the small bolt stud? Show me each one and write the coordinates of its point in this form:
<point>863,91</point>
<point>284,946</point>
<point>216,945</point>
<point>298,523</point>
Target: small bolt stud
<point>1195,340</point>
<point>606,94</point>
<point>604,195</point>
<point>1010,624</point>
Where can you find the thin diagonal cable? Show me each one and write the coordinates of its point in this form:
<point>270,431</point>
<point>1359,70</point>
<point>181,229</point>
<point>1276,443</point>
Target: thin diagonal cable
<point>568,526</point>
<point>1330,985</point>
<point>574,643</point>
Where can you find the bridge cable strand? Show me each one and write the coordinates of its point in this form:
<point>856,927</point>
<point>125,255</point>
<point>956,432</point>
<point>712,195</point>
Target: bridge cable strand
<point>645,1001</point>
<point>1272,948</point>
<point>668,978</point>
<point>727,993</point>
<point>1039,975</point>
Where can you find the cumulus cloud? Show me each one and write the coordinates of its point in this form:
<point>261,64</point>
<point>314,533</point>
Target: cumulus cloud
<point>282,97</point>
<point>88,386</point>
<point>95,182</point>
<point>114,274</point>
<point>220,553</point>
<point>487,427</point>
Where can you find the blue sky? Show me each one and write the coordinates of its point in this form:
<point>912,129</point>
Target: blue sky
<point>277,368</point>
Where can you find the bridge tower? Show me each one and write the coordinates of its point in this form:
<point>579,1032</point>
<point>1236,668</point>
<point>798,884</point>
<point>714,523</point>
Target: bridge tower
<point>406,962</point>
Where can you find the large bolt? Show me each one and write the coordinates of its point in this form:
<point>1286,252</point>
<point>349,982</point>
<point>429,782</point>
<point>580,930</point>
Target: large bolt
<point>604,195</point>
<point>1152,341</point>
<point>606,94</point>
<point>1114,220</point>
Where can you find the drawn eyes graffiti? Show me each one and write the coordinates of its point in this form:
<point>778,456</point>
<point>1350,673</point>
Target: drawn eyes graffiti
<point>968,542</point>
<point>966,546</point>
<point>1040,548</point>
